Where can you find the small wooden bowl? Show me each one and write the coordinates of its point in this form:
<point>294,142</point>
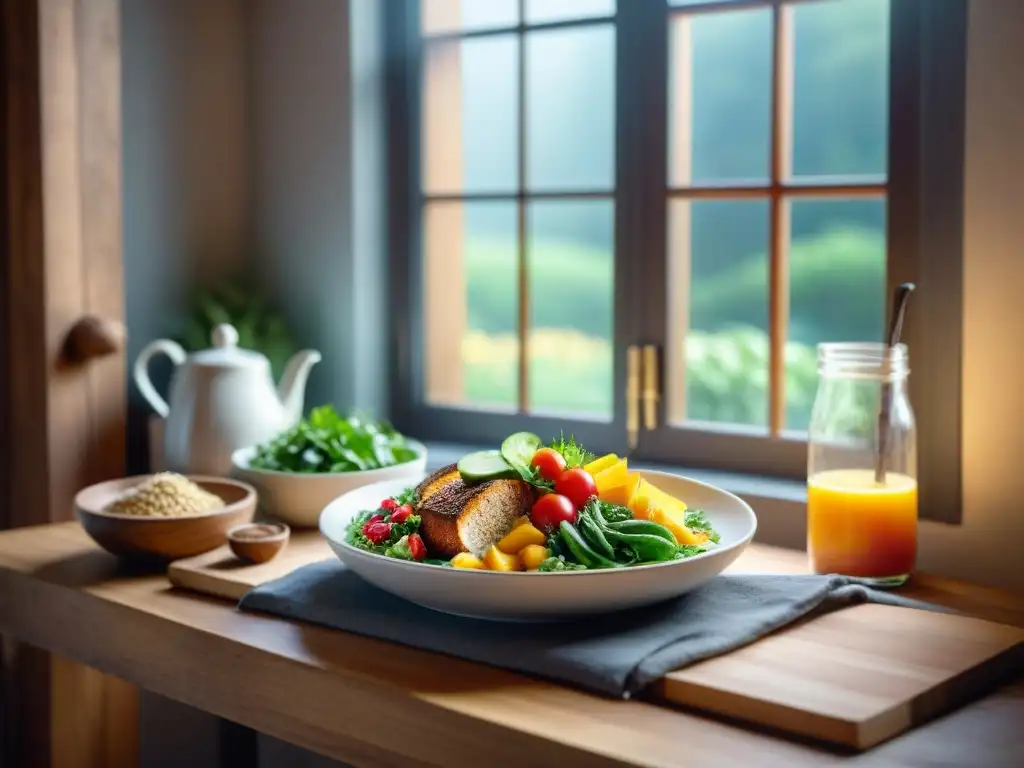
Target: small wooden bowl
<point>165,538</point>
<point>258,550</point>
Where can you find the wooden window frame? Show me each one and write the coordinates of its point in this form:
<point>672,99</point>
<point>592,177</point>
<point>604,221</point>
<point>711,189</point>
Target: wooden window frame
<point>923,190</point>
<point>409,408</point>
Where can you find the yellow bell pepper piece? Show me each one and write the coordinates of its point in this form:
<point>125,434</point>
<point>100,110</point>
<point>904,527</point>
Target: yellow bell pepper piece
<point>601,463</point>
<point>666,500</point>
<point>467,560</point>
<point>612,477</point>
<point>519,537</point>
<point>640,502</point>
<point>496,560</point>
<point>532,555</point>
<point>621,494</point>
<point>674,521</point>
<point>647,496</point>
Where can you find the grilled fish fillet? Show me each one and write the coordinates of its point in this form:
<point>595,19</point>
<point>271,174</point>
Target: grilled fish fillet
<point>456,517</point>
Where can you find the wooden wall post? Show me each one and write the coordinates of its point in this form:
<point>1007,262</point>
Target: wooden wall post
<point>63,421</point>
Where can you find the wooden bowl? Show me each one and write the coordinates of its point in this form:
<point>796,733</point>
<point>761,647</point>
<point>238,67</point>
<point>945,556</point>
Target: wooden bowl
<point>258,550</point>
<point>166,538</point>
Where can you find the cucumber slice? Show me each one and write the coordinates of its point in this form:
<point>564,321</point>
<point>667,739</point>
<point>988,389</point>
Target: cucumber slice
<point>482,466</point>
<point>519,448</point>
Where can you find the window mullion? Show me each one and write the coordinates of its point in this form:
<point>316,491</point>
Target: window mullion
<point>406,222</point>
<point>642,181</point>
<point>781,165</point>
<point>521,227</point>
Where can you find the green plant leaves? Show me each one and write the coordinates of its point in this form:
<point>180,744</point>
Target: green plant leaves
<point>330,442</point>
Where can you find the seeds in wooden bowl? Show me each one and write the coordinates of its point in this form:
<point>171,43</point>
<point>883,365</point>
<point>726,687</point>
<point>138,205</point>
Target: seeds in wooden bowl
<point>166,494</point>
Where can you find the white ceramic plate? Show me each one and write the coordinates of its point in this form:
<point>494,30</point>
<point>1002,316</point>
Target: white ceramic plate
<point>526,596</point>
<point>298,498</point>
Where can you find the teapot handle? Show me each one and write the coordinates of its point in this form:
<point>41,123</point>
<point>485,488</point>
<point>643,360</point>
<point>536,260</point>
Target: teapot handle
<point>140,372</point>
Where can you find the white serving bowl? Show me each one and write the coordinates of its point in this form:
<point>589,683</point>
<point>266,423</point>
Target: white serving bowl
<point>298,498</point>
<point>525,596</point>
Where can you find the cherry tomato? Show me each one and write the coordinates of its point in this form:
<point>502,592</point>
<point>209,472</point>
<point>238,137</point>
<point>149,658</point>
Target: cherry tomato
<point>416,547</point>
<point>549,463</point>
<point>550,510</point>
<point>577,485</point>
<point>401,514</point>
<point>378,533</point>
<point>371,521</point>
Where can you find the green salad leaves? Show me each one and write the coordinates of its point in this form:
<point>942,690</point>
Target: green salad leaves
<point>330,442</point>
<point>559,563</point>
<point>573,453</point>
<point>397,543</point>
<point>614,513</point>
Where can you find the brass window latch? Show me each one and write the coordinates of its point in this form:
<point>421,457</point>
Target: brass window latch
<point>643,391</point>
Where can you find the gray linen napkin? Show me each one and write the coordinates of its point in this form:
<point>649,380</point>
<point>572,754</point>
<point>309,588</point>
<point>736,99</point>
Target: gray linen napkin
<point>616,654</point>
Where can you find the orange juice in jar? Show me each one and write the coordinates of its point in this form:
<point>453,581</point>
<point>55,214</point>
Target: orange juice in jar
<point>862,491</point>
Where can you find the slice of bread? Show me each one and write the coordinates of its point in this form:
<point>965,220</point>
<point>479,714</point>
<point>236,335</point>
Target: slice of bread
<point>468,518</point>
<point>437,481</point>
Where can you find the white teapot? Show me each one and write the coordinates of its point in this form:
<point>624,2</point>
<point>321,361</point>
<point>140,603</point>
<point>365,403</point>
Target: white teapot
<point>221,399</point>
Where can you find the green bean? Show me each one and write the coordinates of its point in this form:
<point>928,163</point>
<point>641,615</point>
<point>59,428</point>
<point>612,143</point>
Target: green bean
<point>648,548</point>
<point>643,526</point>
<point>580,550</point>
<point>593,535</point>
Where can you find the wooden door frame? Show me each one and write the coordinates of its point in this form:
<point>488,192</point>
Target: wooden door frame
<point>62,424</point>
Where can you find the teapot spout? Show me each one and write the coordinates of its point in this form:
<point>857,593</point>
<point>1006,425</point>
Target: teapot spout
<point>292,389</point>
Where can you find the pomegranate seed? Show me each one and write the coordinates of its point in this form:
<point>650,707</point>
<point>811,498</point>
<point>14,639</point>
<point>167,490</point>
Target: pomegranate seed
<point>416,547</point>
<point>389,504</point>
<point>378,533</point>
<point>401,514</point>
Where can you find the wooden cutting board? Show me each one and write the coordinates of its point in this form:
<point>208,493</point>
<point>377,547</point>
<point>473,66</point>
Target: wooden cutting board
<point>855,677</point>
<point>221,574</point>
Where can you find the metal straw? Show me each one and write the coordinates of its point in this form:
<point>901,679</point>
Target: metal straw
<point>899,310</point>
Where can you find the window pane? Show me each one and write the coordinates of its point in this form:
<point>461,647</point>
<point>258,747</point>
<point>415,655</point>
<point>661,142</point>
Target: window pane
<point>571,269</point>
<point>717,357</point>
<point>841,87</point>
<point>720,97</point>
<point>471,303</point>
<point>570,109</point>
<point>559,10</point>
<point>438,16</point>
<point>837,288</point>
<point>470,105</point>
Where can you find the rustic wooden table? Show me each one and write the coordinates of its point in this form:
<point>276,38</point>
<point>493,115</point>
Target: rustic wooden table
<point>372,703</point>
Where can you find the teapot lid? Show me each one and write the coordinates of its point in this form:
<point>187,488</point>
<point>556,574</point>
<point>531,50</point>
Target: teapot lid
<point>225,352</point>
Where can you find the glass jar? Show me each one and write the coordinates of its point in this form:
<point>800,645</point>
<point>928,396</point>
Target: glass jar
<point>862,465</point>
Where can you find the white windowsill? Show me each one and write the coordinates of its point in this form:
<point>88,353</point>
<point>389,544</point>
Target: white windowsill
<point>780,504</point>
